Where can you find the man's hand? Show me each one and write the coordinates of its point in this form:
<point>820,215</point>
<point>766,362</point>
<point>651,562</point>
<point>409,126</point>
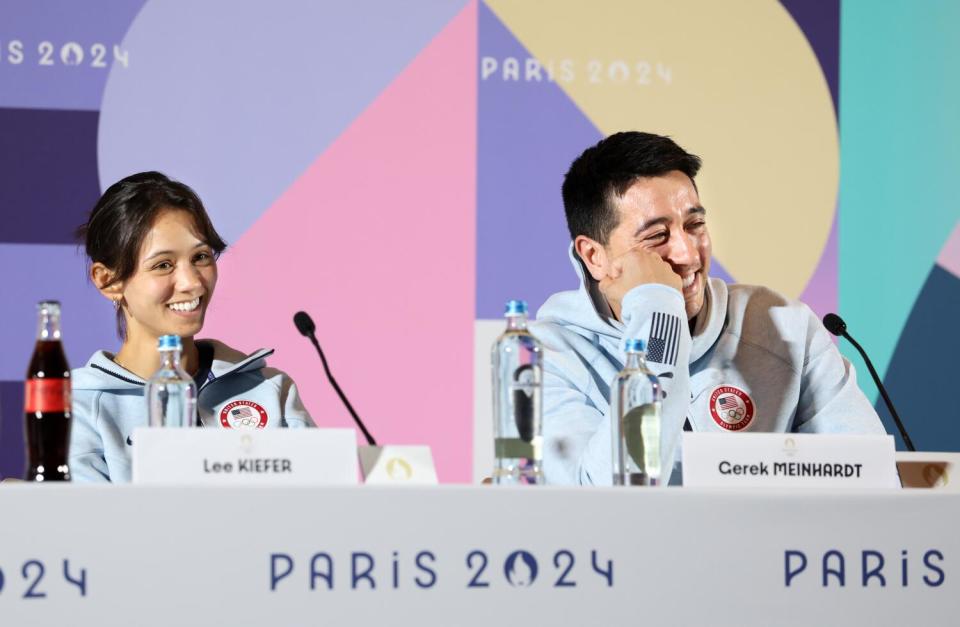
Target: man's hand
<point>636,267</point>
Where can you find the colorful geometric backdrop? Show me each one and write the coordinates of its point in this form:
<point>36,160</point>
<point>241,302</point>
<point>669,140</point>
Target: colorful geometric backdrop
<point>394,169</point>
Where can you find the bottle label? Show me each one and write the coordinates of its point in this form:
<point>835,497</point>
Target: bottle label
<point>47,395</point>
<point>641,434</point>
<point>515,448</point>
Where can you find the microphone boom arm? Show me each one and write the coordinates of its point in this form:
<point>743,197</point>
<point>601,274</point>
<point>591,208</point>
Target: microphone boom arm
<point>343,397</point>
<point>883,392</point>
<point>308,329</point>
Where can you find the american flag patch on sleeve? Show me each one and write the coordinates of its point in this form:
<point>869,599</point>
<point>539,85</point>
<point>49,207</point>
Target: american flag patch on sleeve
<point>664,339</point>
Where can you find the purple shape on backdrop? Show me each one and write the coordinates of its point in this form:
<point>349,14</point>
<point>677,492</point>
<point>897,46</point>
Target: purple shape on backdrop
<point>820,23</point>
<point>528,134</point>
<point>253,91</point>
<point>12,446</point>
<point>718,271</point>
<point>44,272</point>
<point>48,173</point>
<point>821,291</point>
<point>29,84</point>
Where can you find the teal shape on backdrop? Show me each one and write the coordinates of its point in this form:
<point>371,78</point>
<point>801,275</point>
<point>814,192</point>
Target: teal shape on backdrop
<point>900,152</point>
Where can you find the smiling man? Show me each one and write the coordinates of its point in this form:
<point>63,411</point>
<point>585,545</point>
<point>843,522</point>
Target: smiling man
<point>730,358</point>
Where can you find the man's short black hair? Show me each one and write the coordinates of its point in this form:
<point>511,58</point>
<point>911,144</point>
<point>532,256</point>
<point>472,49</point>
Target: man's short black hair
<point>611,167</point>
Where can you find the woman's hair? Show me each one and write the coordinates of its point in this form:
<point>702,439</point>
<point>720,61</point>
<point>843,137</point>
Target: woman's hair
<point>124,214</point>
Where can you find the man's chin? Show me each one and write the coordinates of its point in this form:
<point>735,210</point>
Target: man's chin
<point>694,306</point>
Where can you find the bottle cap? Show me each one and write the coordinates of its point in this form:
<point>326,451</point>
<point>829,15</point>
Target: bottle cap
<point>516,308</point>
<point>635,345</point>
<point>169,343</point>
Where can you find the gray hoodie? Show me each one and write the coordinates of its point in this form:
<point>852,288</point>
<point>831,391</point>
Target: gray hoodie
<point>108,404</point>
<point>756,362</point>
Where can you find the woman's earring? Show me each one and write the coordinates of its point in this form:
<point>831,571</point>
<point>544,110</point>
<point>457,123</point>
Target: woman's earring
<point>116,304</point>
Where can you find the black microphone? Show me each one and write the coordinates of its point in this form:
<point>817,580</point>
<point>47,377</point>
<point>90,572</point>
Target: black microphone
<point>838,327</point>
<point>307,328</point>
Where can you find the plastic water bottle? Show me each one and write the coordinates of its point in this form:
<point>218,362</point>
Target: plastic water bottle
<point>635,401</point>
<point>517,359</point>
<point>171,393</point>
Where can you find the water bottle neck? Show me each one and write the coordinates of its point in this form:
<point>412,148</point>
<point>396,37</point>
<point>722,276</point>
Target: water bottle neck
<point>170,359</point>
<point>517,322</point>
<point>635,360</point>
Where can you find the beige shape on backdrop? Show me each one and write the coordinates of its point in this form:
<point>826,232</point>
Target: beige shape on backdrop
<point>735,82</point>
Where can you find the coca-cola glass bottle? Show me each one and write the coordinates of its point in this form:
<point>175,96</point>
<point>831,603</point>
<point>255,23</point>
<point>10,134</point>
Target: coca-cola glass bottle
<point>47,401</point>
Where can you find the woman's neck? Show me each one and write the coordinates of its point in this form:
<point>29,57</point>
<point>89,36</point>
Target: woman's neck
<point>139,355</point>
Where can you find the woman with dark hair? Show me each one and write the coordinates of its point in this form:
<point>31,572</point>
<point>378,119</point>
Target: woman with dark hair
<point>153,252</point>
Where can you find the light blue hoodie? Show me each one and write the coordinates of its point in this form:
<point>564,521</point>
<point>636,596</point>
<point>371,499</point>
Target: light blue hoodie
<point>108,404</point>
<point>756,362</point>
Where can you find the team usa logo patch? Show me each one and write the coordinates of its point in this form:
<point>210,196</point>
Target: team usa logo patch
<point>731,407</point>
<point>243,415</point>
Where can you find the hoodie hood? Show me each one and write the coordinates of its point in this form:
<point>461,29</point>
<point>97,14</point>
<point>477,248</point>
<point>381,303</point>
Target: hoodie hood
<point>103,374</point>
<point>585,309</point>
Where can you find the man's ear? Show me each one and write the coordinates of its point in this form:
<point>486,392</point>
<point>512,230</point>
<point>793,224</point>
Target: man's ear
<point>102,276</point>
<point>593,255</point>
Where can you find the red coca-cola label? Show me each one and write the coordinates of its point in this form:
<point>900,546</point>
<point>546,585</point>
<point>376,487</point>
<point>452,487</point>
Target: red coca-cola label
<point>47,395</point>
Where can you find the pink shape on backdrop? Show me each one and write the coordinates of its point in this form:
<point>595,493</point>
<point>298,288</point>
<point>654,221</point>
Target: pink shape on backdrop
<point>949,258</point>
<point>821,291</point>
<point>377,241</point>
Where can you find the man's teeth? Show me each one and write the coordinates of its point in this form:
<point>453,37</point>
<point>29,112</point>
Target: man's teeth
<point>688,280</point>
<point>190,305</point>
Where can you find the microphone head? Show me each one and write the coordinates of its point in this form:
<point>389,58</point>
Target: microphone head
<point>304,323</point>
<point>834,324</point>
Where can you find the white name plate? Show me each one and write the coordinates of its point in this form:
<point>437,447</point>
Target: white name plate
<point>397,465</point>
<point>715,460</point>
<point>235,457</point>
